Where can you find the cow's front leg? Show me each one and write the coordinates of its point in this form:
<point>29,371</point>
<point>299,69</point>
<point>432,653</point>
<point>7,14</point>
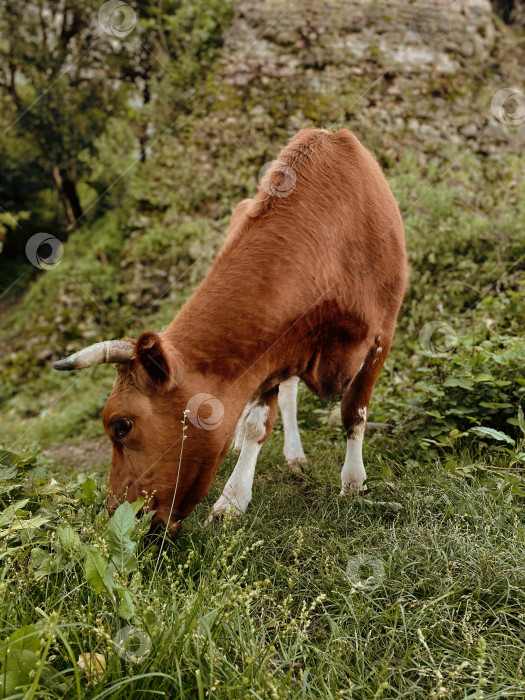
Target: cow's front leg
<point>239,431</point>
<point>237,494</point>
<point>293,449</point>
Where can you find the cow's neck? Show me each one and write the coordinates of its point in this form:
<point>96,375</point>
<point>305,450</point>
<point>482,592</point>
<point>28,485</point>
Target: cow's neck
<point>230,345</point>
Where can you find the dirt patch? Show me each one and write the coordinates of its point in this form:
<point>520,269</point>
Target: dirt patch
<point>91,455</point>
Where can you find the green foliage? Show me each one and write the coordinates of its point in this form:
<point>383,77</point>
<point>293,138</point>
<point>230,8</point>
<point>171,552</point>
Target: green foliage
<point>476,384</point>
<point>458,255</point>
<point>9,220</point>
<point>190,34</point>
<point>275,605</point>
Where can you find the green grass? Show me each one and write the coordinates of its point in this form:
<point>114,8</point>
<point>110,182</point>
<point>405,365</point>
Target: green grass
<point>279,603</point>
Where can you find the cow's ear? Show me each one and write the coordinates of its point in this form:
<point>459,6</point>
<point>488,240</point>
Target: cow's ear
<point>161,363</point>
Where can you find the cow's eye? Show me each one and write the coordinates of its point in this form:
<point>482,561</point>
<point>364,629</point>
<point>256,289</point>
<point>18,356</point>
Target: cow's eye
<point>121,427</point>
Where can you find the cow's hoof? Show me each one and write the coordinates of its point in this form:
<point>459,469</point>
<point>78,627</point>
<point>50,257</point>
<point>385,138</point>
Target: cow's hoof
<point>295,464</point>
<point>224,508</point>
<point>353,488</point>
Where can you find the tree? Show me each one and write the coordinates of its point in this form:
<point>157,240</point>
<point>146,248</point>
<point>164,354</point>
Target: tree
<point>68,66</point>
<point>59,73</point>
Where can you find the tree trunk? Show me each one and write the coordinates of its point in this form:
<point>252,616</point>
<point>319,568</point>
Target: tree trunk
<point>144,125</point>
<point>67,186</point>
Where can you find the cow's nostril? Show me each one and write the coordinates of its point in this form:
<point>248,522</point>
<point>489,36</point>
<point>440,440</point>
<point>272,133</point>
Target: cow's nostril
<point>112,505</point>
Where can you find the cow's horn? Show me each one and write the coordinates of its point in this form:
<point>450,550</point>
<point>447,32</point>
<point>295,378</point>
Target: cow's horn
<point>97,354</point>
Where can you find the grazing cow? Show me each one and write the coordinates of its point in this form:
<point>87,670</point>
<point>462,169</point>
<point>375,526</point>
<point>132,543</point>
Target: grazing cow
<point>308,285</point>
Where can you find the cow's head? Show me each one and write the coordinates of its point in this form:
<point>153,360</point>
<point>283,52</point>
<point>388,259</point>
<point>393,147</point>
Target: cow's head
<point>153,397</point>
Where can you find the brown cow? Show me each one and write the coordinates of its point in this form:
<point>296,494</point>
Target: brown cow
<point>308,285</point>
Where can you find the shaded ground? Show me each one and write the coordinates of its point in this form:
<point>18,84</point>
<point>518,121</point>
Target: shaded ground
<point>90,455</point>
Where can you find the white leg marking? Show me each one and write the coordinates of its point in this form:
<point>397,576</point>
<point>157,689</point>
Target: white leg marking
<point>239,429</point>
<point>353,473</point>
<point>237,493</point>
<point>293,449</point>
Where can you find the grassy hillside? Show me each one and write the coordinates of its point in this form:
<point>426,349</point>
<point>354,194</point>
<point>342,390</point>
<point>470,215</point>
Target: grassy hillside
<point>414,589</point>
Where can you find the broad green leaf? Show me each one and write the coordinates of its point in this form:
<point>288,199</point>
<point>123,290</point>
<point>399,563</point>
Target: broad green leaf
<point>495,434</point>
<point>27,637</point>
<point>126,608</point>
<point>494,404</point>
<point>46,489</point>
<point>42,562</point>
<point>521,420</point>
<point>25,461</point>
<point>9,552</point>
<point>9,513</point>
<point>122,551</point>
<point>144,523</point>
<point>138,505</point>
<point>8,458</point>
<point>7,473</point>
<point>5,488</point>
<point>18,669</point>
<point>38,472</point>
<point>45,563</point>
<point>462,382</point>
<point>121,547</point>
<point>89,489</point>
<point>69,539</point>
<point>123,522</point>
<point>96,568</point>
<point>28,524</point>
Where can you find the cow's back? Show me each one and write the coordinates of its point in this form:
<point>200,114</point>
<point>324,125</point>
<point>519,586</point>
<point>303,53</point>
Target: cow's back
<point>338,227</point>
<point>322,267</point>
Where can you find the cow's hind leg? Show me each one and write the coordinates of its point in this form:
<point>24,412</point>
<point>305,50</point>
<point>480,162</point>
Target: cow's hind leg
<point>293,449</point>
<point>258,423</point>
<point>354,410</point>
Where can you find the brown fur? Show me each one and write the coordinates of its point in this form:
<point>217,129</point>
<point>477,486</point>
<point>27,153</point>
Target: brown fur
<point>309,284</point>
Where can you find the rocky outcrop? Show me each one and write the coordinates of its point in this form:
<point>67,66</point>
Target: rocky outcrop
<point>277,37</point>
<point>414,72</point>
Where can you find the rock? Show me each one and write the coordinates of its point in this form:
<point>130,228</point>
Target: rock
<point>469,130</point>
<point>413,125</point>
<point>43,354</point>
<point>399,65</point>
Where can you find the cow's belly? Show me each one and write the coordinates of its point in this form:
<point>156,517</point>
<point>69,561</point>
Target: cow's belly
<point>325,348</point>
<point>331,368</point>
